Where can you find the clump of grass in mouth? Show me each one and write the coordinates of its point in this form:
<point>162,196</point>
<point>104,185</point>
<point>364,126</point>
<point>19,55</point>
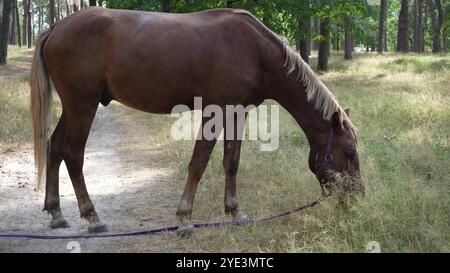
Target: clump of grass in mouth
<point>343,187</point>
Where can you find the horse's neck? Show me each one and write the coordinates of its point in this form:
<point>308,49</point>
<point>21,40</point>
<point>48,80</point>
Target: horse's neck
<point>291,95</point>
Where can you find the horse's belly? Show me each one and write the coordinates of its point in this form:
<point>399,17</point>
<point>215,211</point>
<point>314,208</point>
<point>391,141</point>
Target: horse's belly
<point>149,100</point>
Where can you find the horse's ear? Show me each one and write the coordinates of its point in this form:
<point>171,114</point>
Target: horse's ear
<point>347,111</point>
<point>336,123</point>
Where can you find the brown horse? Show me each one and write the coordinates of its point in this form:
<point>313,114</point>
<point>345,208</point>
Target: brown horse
<point>154,61</point>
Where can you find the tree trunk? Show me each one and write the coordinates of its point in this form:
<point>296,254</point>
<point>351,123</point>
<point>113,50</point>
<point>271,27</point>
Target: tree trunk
<point>4,31</point>
<point>310,35</point>
<point>316,25</point>
<point>81,4</point>
<point>347,40</point>
<point>16,11</point>
<point>402,34</point>
<point>29,30</point>
<point>67,8</point>
<point>382,25</point>
<point>12,27</point>
<point>436,43</point>
<point>324,46</point>
<point>25,22</point>
<point>425,23</point>
<point>437,24</point>
<point>39,15</point>
<point>415,24</point>
<point>60,9</point>
<point>92,3</point>
<point>337,38</point>
<point>57,11</point>
<point>33,25</point>
<point>229,4</point>
<point>418,25</point>
<point>166,5</point>
<point>51,12</point>
<point>304,26</point>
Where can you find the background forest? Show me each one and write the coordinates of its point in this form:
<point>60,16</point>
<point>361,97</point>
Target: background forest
<point>322,25</point>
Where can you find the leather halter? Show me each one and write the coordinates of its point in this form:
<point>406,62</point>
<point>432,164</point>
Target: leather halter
<point>328,163</point>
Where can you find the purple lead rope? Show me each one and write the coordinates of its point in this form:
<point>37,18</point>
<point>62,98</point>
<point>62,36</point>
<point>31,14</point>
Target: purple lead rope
<point>162,229</point>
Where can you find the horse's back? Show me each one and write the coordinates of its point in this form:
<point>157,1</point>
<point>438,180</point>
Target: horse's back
<point>83,27</point>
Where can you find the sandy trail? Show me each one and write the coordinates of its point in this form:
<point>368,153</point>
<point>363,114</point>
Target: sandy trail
<point>130,191</point>
<point>18,66</point>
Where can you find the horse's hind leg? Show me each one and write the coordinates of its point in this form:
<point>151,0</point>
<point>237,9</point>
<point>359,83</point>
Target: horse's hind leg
<point>79,122</point>
<point>54,158</point>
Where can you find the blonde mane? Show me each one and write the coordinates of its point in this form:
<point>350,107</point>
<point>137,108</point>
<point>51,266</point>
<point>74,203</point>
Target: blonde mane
<point>316,92</point>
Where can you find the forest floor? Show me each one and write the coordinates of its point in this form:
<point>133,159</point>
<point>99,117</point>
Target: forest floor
<point>18,64</point>
<point>135,172</point>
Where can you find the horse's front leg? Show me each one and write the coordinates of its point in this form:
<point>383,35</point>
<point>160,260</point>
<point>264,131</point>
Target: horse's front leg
<point>231,156</point>
<point>199,161</point>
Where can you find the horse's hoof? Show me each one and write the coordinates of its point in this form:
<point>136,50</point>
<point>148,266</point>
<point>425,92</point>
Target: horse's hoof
<point>239,216</point>
<point>59,223</point>
<point>185,232</point>
<point>98,228</point>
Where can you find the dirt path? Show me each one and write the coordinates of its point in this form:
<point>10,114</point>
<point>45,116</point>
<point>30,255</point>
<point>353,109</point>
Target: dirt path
<point>129,189</point>
<point>18,65</point>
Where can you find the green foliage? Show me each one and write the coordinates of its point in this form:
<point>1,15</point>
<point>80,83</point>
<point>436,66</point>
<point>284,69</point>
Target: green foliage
<point>446,24</point>
<point>282,16</point>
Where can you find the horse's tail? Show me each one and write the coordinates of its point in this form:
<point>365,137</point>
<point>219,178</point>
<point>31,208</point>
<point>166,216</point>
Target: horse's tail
<point>41,102</point>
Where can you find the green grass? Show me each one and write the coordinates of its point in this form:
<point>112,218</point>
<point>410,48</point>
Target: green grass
<point>400,104</point>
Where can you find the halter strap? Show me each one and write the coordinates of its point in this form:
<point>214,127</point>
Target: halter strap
<point>328,160</point>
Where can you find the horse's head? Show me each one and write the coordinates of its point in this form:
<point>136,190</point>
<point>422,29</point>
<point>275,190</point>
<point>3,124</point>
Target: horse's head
<point>335,161</point>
